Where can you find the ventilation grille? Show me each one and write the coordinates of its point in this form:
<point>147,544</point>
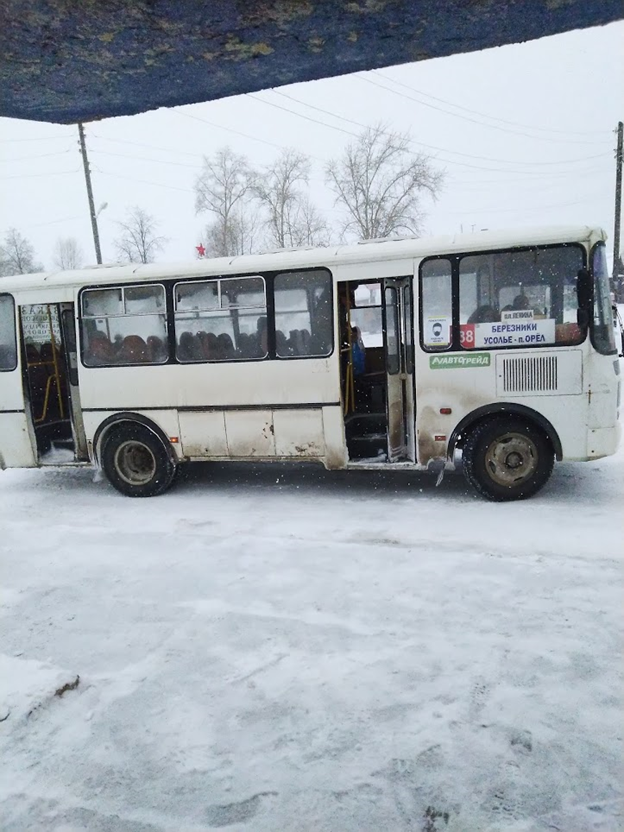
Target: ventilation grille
<point>529,375</point>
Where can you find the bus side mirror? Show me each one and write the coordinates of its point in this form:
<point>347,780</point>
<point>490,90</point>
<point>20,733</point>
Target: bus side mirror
<point>584,292</point>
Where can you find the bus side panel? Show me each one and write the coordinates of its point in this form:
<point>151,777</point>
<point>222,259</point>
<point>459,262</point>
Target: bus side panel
<point>16,449</point>
<point>335,443</point>
<point>464,388</point>
<point>299,433</point>
<point>202,433</point>
<point>250,433</point>
<point>232,410</point>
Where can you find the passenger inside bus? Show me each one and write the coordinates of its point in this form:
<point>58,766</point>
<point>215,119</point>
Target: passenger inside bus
<point>484,314</point>
<point>359,352</point>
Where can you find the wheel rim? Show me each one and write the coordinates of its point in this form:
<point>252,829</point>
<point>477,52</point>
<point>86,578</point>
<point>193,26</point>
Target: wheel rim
<point>135,463</point>
<point>511,459</point>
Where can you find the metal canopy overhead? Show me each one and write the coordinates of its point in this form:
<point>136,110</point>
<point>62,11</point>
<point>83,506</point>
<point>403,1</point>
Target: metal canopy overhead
<point>79,60</point>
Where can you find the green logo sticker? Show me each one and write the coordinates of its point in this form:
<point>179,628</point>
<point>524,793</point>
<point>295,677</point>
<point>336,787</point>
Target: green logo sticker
<point>448,362</point>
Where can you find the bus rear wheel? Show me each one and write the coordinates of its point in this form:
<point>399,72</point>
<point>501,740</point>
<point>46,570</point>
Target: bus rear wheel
<point>136,462</point>
<point>507,459</point>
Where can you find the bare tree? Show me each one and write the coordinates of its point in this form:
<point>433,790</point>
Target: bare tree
<point>291,219</point>
<point>379,182</point>
<point>242,235</point>
<point>225,188</point>
<point>67,253</point>
<point>313,229</point>
<point>17,255</point>
<point>138,241</point>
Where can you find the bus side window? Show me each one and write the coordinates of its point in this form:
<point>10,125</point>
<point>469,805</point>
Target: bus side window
<point>221,319</point>
<point>436,304</point>
<point>303,314</point>
<point>125,325</point>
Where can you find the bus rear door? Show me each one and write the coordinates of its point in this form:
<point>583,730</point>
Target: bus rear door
<point>50,373</point>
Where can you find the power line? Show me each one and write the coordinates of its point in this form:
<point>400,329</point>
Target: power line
<point>144,159</point>
<point>307,118</point>
<point>37,139</point>
<point>37,175</point>
<point>149,146</point>
<point>485,115</point>
<point>32,158</point>
<point>52,222</point>
<point>477,210</point>
<point>423,144</point>
<point>143,181</point>
<point>531,177</point>
<point>246,135</point>
<point>468,118</point>
<point>228,129</point>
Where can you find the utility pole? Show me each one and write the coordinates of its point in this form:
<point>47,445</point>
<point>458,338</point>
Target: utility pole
<point>618,197</point>
<point>87,172</point>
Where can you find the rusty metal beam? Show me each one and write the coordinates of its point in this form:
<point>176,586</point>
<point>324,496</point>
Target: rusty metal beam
<point>79,60</point>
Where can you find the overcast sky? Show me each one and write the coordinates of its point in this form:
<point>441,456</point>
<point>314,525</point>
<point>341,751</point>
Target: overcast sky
<point>525,134</point>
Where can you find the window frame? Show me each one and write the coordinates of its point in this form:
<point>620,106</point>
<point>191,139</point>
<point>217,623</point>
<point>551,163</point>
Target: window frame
<point>219,279</point>
<point>454,303</point>
<point>123,286</point>
<point>601,348</point>
<point>455,260</point>
<point>272,318</point>
<point>12,299</point>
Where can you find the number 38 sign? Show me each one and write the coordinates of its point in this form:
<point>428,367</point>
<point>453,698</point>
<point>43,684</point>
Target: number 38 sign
<point>467,336</point>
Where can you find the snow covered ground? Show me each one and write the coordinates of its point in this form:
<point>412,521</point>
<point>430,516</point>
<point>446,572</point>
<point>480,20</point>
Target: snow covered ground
<point>291,650</point>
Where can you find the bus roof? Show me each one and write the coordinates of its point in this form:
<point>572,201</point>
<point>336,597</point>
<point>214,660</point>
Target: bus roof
<point>289,259</point>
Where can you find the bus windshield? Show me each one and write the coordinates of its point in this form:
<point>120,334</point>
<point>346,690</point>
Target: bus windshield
<point>603,336</point>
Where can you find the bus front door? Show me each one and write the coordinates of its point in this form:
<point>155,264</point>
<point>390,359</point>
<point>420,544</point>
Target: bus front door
<point>399,348</point>
<point>70,344</point>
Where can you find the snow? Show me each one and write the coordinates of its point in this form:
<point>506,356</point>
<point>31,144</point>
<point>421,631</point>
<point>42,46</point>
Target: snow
<point>288,649</point>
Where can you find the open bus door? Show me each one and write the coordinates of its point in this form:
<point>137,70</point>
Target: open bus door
<point>50,373</point>
<point>399,347</point>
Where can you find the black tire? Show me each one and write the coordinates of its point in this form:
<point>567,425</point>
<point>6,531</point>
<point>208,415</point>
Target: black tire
<point>136,461</point>
<point>507,459</point>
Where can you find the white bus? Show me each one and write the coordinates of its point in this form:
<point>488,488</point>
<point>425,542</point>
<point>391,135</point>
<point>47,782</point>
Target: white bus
<point>381,355</point>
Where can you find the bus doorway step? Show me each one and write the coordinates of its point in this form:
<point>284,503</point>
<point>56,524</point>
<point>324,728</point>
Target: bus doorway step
<point>366,435</point>
<point>60,452</point>
<point>369,446</point>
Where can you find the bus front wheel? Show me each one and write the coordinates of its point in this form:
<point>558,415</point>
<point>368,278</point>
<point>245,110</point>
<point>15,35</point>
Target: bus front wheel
<point>507,459</point>
<point>136,462</point>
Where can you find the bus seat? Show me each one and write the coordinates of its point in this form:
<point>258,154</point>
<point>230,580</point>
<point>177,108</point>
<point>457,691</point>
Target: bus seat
<point>156,349</point>
<point>226,347</point>
<point>293,341</point>
<point>186,347</point>
<point>203,344</point>
<point>32,354</point>
<point>244,345</point>
<point>133,350</point>
<point>99,350</point>
<point>281,343</point>
<point>568,332</point>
